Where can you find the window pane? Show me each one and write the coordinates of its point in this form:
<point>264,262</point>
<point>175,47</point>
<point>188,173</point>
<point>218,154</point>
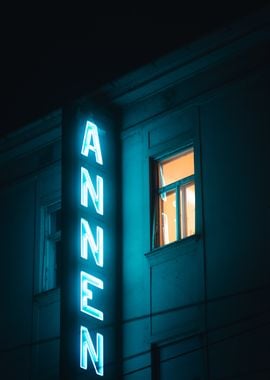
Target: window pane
<point>51,264</point>
<point>57,263</point>
<point>187,209</point>
<point>55,221</point>
<point>167,218</point>
<point>176,168</point>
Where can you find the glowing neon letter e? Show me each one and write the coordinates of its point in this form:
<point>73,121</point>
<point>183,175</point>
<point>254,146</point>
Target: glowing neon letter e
<point>86,346</point>
<point>87,294</point>
<point>91,133</point>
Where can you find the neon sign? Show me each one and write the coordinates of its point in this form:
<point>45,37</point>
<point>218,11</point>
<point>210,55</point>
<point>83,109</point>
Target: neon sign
<point>91,286</point>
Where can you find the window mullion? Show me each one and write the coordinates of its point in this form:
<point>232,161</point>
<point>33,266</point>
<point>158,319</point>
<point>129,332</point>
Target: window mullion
<point>177,206</point>
<point>186,180</point>
<point>172,186</point>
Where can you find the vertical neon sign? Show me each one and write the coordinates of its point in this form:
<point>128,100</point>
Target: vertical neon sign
<point>91,248</point>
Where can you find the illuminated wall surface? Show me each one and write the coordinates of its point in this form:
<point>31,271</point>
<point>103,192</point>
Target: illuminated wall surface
<point>190,304</point>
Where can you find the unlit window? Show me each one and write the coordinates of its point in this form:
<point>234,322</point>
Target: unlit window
<point>51,251</point>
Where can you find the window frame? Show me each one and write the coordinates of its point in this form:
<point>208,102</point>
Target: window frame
<point>156,190</point>
<point>47,239</point>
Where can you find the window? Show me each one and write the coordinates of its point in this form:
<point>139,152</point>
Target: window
<point>50,265</point>
<point>174,198</point>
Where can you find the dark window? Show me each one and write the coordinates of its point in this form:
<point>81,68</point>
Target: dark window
<point>51,248</point>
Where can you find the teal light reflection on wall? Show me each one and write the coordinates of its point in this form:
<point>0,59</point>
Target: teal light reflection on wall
<point>87,295</point>
<point>87,347</point>
<point>91,136</point>
<point>87,240</point>
<point>87,187</point>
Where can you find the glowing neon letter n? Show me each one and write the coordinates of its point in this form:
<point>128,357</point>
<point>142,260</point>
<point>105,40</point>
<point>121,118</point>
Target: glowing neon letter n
<point>91,133</point>
<point>88,187</point>
<point>97,356</point>
<point>87,239</point>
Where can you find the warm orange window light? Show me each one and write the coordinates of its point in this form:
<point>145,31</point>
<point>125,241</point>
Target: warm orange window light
<point>176,198</point>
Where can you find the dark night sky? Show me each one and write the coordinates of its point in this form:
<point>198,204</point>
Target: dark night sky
<point>41,70</point>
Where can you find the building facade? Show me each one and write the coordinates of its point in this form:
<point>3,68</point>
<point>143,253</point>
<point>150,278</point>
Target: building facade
<point>135,223</point>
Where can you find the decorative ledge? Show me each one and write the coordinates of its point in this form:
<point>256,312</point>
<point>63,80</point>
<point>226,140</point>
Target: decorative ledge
<point>171,251</point>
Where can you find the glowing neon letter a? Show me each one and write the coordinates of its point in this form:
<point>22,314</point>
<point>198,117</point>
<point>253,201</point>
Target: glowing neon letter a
<point>86,346</point>
<point>91,142</point>
<point>87,187</point>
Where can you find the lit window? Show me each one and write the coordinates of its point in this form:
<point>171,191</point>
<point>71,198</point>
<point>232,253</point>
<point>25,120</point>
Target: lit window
<point>51,248</point>
<point>174,199</point>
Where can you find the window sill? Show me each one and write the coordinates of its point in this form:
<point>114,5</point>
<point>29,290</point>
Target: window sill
<point>49,296</point>
<point>172,250</point>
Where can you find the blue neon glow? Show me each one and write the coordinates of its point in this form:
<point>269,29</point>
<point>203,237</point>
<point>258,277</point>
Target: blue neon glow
<point>87,187</point>
<point>86,346</point>
<point>91,142</point>
<point>87,239</point>
<point>87,294</point>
